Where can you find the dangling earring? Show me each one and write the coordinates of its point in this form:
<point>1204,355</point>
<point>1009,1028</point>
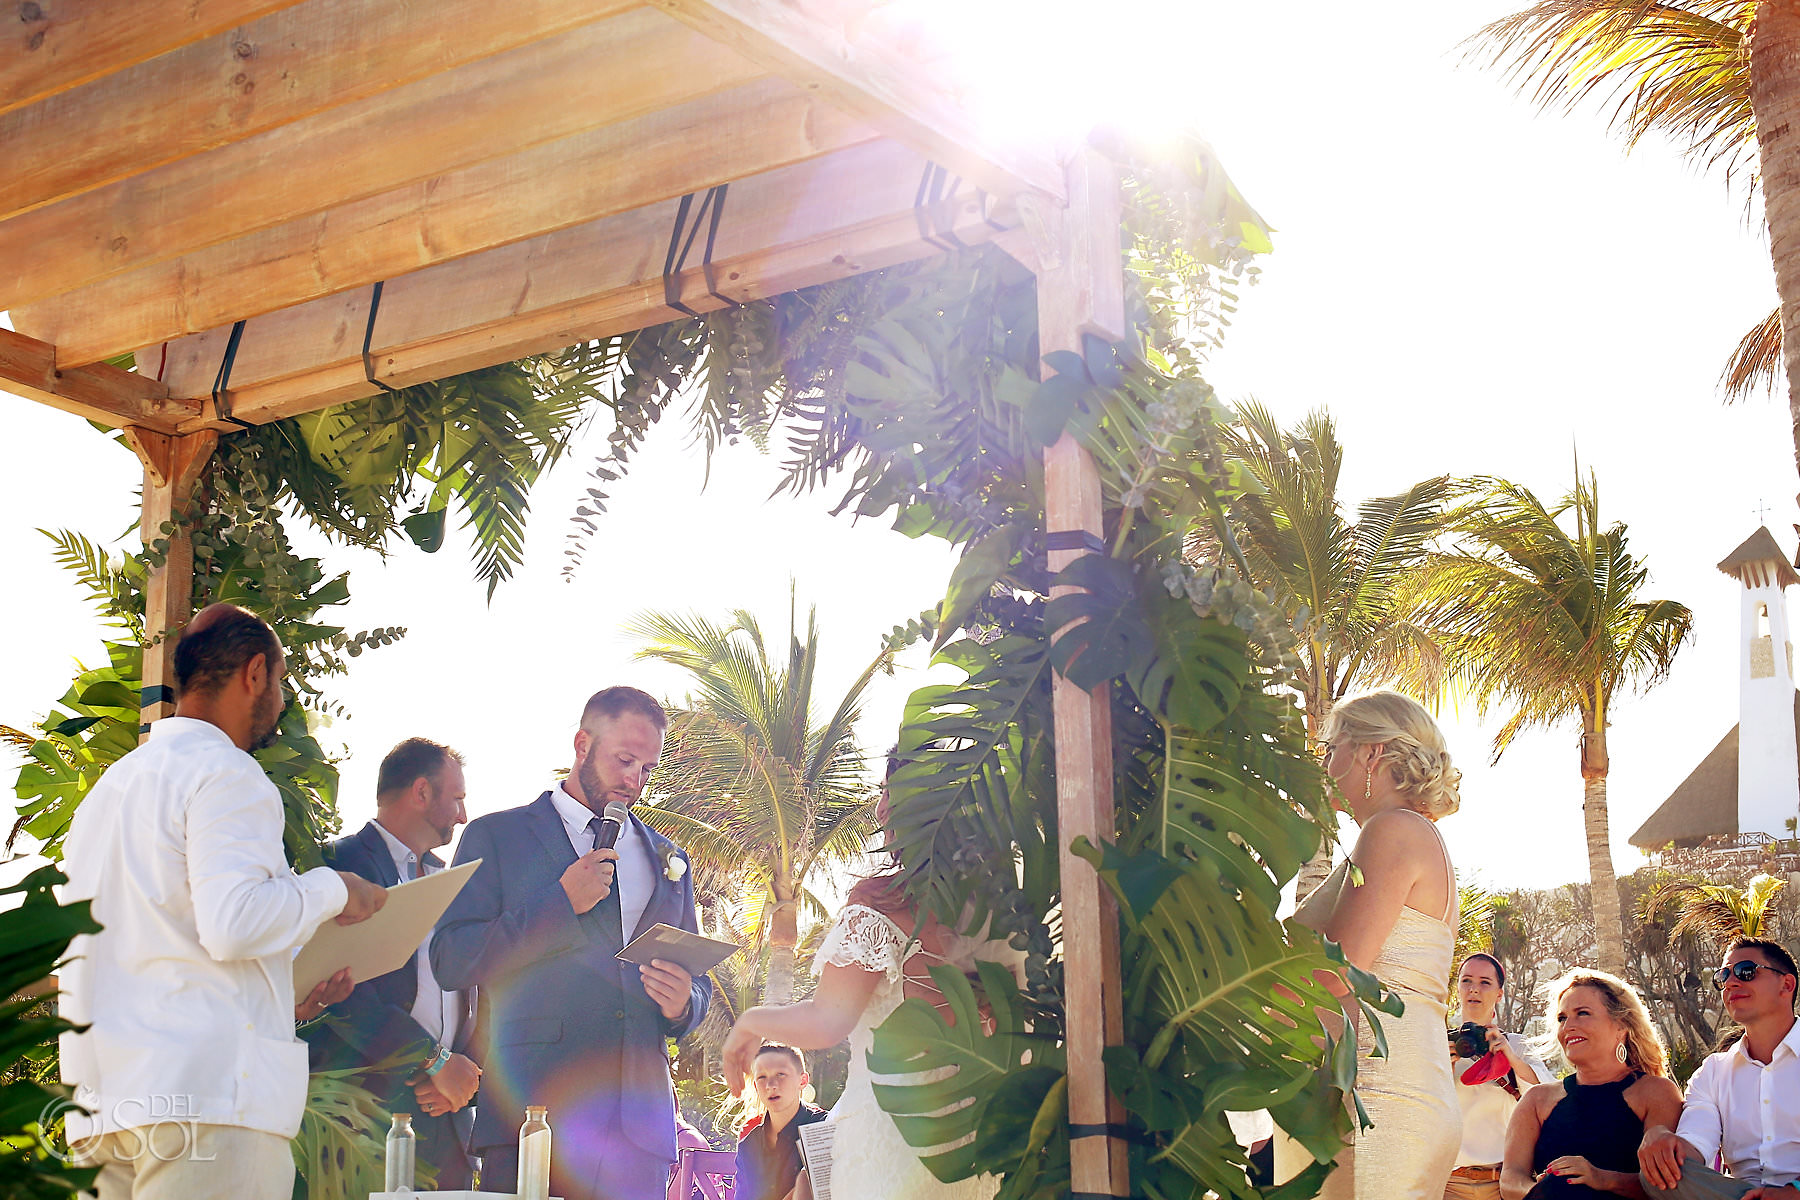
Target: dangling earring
<point>1620,1052</point>
<point>1369,781</point>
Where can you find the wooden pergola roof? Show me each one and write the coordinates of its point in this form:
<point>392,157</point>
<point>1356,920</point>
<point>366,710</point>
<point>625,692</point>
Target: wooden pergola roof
<point>512,174</point>
<point>224,187</point>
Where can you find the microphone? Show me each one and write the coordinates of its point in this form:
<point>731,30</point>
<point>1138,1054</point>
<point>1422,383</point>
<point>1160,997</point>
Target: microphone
<point>612,820</point>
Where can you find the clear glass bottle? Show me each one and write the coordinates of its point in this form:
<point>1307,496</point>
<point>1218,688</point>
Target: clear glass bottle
<point>402,1147</point>
<point>534,1154</point>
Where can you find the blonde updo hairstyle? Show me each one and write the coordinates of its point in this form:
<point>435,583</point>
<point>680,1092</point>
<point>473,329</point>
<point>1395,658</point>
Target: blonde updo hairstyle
<point>1644,1049</point>
<point>1413,748</point>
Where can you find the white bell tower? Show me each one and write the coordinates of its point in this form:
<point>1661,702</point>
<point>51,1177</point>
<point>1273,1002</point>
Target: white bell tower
<point>1768,766</point>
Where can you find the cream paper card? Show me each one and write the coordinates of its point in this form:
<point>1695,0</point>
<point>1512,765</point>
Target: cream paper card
<point>386,940</point>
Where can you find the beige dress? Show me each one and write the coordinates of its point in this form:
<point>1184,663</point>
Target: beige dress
<point>1410,1095</point>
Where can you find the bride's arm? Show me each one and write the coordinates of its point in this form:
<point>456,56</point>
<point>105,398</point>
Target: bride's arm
<point>815,1024</point>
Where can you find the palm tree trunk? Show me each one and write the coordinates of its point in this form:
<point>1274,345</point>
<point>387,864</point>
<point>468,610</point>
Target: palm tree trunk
<point>1775,101</point>
<point>1318,867</point>
<point>784,935</point>
<point>1609,933</point>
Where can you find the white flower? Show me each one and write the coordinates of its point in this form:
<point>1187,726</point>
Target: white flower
<point>674,867</point>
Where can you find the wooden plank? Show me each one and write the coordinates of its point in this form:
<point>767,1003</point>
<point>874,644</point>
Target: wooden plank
<point>98,393</point>
<point>286,66</point>
<point>172,470</point>
<point>53,45</point>
<point>826,219</point>
<point>874,76</point>
<point>686,149</point>
<point>588,78</point>
<point>1083,293</point>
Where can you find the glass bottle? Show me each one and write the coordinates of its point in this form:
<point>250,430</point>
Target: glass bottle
<point>534,1154</point>
<point>402,1146</point>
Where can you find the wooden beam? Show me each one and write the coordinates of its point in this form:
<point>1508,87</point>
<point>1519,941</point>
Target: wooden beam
<point>172,470</point>
<point>749,129</point>
<point>99,392</point>
<point>1083,293</point>
<point>286,66</point>
<point>875,77</point>
<point>596,76</point>
<point>53,45</point>
<point>835,216</point>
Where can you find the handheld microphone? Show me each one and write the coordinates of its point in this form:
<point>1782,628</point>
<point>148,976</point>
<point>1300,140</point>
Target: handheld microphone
<point>612,820</point>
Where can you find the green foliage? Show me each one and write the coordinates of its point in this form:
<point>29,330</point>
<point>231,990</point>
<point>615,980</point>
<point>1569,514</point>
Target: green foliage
<point>1002,1095</point>
<point>341,1150</point>
<point>33,939</point>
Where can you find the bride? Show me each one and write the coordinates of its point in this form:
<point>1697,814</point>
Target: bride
<point>868,963</point>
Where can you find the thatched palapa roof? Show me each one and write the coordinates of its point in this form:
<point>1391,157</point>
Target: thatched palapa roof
<point>1758,556</point>
<point>1705,805</point>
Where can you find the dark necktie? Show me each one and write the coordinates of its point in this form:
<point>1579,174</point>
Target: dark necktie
<point>608,912</point>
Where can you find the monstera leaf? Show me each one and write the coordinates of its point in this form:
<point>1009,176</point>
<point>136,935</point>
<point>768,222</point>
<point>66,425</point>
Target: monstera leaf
<point>973,759</point>
<point>1220,980</point>
<point>994,1085</point>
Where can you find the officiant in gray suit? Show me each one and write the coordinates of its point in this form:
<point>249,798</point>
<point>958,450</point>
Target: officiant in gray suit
<point>562,1023</point>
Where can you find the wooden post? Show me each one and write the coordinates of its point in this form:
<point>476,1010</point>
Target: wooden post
<point>1081,291</point>
<point>172,466</point>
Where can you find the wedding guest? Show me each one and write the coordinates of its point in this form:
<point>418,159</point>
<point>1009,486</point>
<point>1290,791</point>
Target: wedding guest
<point>1579,1136</point>
<point>1486,1105</point>
<point>186,1059</point>
<point>404,1021</point>
<point>1744,1102</point>
<point>768,1154</point>
<point>538,929</point>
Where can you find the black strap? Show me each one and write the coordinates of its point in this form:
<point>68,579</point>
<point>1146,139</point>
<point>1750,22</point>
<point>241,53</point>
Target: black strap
<point>369,338</point>
<point>927,201</point>
<point>222,381</point>
<point>156,693</point>
<point>1075,539</point>
<point>676,260</point>
<point>1124,1133</point>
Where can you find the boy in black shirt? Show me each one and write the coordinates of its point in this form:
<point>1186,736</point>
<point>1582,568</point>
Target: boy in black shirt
<point>768,1155</point>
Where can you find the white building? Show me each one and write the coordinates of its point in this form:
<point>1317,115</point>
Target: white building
<point>1748,787</point>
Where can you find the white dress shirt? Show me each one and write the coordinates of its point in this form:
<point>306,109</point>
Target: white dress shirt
<point>436,1011</point>
<point>1749,1111</point>
<point>189,987</point>
<point>635,873</point>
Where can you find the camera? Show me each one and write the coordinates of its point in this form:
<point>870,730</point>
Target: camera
<point>1469,1040</point>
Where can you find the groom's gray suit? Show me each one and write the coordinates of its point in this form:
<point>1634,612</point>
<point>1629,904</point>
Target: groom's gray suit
<point>562,1023</point>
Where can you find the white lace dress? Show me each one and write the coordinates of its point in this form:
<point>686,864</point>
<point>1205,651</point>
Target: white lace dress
<point>870,1160</point>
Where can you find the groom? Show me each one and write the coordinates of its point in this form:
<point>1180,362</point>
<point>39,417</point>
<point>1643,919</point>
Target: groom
<point>564,1024</point>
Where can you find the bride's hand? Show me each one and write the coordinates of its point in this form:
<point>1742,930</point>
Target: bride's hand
<point>739,1054</point>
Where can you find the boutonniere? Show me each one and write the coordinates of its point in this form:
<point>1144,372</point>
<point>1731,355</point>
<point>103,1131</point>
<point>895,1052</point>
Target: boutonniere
<point>674,866</point>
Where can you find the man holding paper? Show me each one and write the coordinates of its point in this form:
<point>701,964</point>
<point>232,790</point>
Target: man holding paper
<point>538,929</point>
<point>404,1017</point>
<point>188,1067</point>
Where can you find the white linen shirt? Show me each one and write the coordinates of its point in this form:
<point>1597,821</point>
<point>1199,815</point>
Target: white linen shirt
<point>1749,1111</point>
<point>188,989</point>
<point>433,1008</point>
<point>635,872</point>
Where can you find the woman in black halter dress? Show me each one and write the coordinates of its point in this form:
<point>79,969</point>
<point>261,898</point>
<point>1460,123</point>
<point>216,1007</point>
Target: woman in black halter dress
<point>1579,1137</point>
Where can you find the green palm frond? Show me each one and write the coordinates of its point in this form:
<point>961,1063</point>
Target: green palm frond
<point>1756,363</point>
<point>1718,912</point>
<point>1680,68</point>
<point>1536,619</point>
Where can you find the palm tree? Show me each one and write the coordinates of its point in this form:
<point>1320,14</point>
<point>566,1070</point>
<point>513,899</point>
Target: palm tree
<point>1548,623</point>
<point>749,783</point>
<point>1708,74</point>
<point>1339,578</point>
<point>1718,911</point>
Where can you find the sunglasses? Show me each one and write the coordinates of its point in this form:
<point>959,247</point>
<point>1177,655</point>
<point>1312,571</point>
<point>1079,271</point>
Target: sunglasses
<point>1745,971</point>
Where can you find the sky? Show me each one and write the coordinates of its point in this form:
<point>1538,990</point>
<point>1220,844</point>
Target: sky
<point>1468,285</point>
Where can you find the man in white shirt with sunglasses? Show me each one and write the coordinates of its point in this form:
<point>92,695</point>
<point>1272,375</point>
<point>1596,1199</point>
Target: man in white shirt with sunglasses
<point>1743,1104</point>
